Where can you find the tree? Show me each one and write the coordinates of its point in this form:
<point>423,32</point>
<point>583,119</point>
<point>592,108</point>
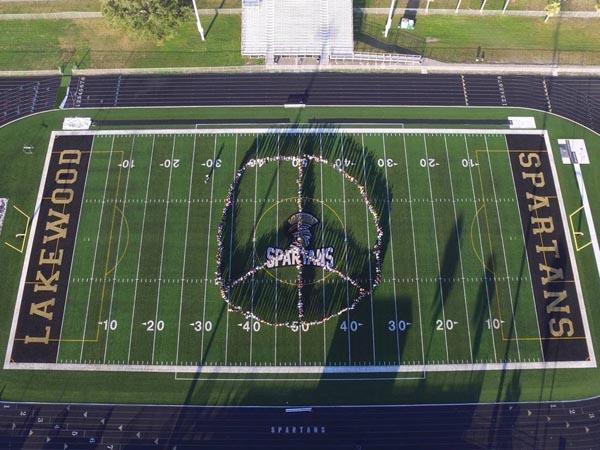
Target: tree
<point>150,18</point>
<point>552,10</point>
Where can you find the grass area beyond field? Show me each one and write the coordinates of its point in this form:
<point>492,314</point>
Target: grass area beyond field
<point>93,43</point>
<point>502,39</point>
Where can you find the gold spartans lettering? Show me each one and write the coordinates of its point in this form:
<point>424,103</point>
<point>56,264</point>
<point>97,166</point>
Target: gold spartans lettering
<point>543,223</point>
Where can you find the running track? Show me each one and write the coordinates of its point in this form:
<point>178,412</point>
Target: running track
<point>575,98</point>
<point>539,426</point>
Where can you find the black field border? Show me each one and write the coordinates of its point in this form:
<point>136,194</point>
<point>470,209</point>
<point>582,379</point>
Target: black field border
<point>257,373</point>
<point>43,288</point>
<point>563,333</point>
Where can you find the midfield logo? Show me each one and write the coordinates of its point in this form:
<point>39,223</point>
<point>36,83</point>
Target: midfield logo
<point>299,229</point>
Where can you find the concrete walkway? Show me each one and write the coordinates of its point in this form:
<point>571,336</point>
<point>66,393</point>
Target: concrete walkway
<point>397,14</point>
<point>428,67</point>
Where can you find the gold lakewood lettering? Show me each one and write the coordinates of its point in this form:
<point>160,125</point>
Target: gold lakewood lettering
<point>50,256</point>
<point>542,224</point>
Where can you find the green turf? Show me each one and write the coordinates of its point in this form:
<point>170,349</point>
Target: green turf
<point>22,174</point>
<point>130,272</point>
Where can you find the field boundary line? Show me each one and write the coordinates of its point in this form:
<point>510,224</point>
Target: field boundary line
<point>296,130</point>
<point>303,369</point>
<point>38,203</point>
<point>561,204</point>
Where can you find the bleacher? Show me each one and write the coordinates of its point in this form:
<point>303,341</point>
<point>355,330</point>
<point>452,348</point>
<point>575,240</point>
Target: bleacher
<point>23,96</point>
<point>272,28</point>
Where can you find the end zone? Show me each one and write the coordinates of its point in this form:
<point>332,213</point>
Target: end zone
<point>37,319</point>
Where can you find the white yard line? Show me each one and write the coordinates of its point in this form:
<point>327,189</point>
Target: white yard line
<point>323,270</point>
<point>162,250</point>
<point>412,227</point>
<point>346,260</point>
<point>537,321</point>
<point>185,243</point>
<point>388,197</point>
<point>62,323</point>
<point>372,324</point>
<point>208,239</point>
<point>512,306</point>
<point>460,258</point>
<point>300,202</point>
<point>112,292</point>
<point>250,320</point>
<point>437,251</point>
<point>87,308</point>
<point>487,293</point>
<point>139,259</point>
<point>277,246</point>
<point>228,312</point>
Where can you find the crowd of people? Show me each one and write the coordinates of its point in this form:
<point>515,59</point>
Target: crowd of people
<point>226,286</point>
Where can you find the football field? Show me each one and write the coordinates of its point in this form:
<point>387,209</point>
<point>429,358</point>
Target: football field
<point>259,250</point>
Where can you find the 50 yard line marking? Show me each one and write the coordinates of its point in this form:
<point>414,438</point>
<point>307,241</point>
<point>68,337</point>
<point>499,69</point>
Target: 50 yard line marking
<point>437,251</point>
<point>187,230</point>
<point>387,188</point>
<point>487,293</point>
<point>117,254</point>
<point>277,246</point>
<point>96,251</point>
<point>137,273</point>
<point>212,186</point>
<point>460,258</point>
<point>162,251</point>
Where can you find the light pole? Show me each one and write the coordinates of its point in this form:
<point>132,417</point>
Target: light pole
<point>198,24</point>
<point>388,24</point>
